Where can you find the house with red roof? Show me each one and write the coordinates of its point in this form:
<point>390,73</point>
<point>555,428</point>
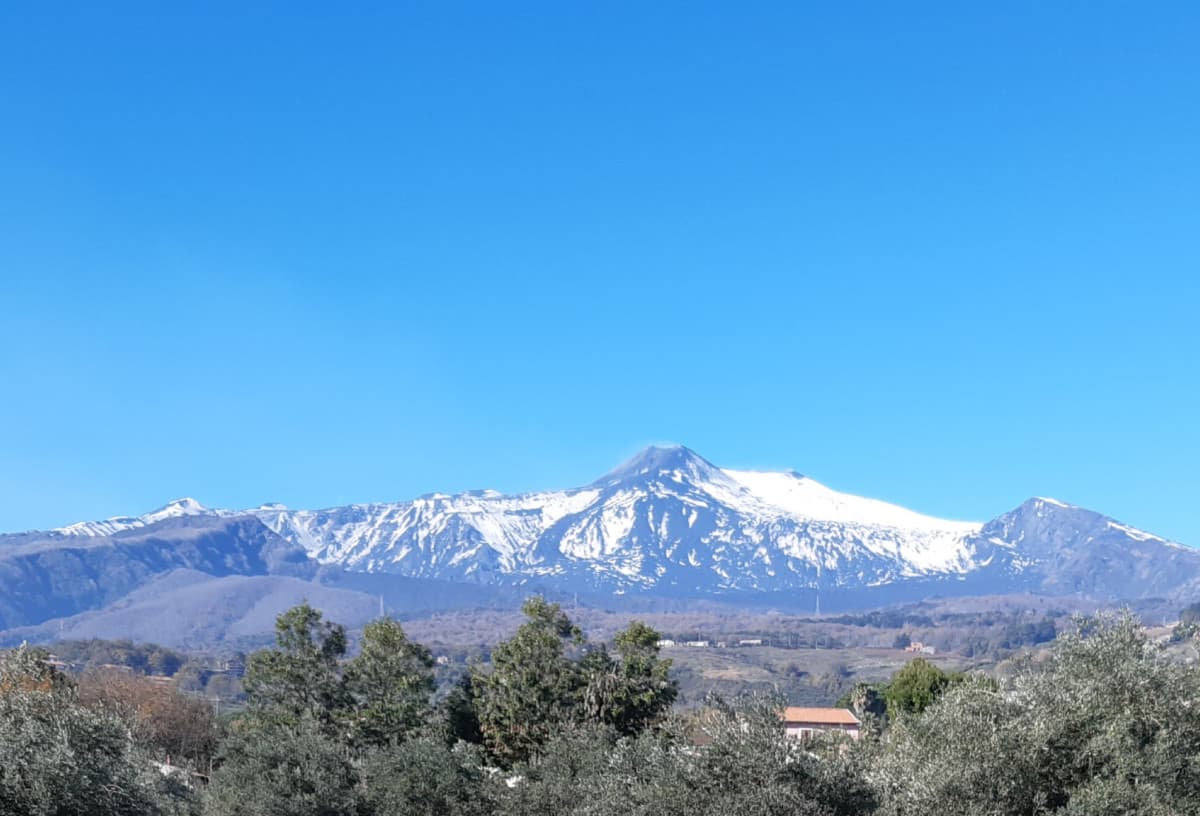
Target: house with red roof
<point>804,723</point>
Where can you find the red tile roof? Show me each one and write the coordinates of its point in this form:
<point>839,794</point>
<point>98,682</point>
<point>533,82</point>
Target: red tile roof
<point>821,716</point>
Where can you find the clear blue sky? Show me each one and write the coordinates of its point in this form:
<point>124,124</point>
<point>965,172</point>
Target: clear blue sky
<point>941,254</point>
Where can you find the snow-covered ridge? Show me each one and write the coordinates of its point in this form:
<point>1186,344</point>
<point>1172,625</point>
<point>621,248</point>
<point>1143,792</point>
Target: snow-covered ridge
<point>667,518</point>
<point>172,509</point>
<point>808,498</point>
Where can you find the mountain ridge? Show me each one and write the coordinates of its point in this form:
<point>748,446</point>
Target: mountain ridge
<point>664,527</point>
<point>669,519</point>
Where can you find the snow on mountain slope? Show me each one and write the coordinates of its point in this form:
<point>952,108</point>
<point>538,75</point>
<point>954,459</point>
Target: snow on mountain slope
<point>801,496</point>
<point>116,524</point>
<point>668,519</point>
<point>430,536</point>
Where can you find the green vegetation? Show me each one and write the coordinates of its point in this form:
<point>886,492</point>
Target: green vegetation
<point>534,688</point>
<point>1105,722</point>
<point>1108,725</point>
<point>61,756</point>
<point>142,658</point>
<point>198,673</point>
<point>916,686</point>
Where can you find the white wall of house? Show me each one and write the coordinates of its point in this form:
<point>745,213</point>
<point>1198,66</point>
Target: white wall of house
<point>805,730</point>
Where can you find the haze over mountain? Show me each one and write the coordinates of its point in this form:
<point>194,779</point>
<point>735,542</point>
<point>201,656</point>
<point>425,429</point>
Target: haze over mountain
<point>667,523</point>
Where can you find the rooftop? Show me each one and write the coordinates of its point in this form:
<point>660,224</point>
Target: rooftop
<point>823,716</point>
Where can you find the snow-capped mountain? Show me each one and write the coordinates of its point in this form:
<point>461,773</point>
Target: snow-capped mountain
<point>172,509</point>
<point>670,520</point>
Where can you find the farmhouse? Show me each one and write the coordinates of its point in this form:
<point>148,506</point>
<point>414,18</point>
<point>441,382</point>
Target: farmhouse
<point>803,723</point>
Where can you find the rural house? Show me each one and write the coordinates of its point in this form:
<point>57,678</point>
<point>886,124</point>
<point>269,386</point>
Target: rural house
<point>802,723</point>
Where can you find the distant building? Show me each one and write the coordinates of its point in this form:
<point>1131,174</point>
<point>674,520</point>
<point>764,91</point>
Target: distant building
<point>665,644</point>
<point>442,660</point>
<point>752,642</point>
<point>917,647</point>
<point>804,723</point>
<point>234,667</point>
<point>698,644</point>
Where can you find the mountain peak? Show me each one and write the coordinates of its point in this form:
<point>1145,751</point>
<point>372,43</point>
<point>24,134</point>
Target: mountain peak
<point>1048,500</point>
<point>656,459</point>
<point>185,506</point>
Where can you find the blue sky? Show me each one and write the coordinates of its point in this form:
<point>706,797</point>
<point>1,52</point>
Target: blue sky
<point>941,254</point>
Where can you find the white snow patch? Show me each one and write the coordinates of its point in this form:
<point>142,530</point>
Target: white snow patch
<point>807,498</point>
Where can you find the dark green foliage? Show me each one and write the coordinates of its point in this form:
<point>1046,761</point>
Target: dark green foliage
<point>1189,623</point>
<point>313,719</point>
<point>423,777</point>
<point>389,685</point>
<point>535,689</point>
<point>749,767</point>
<point>632,692</point>
<point>868,702</point>
<point>884,619</point>
<point>275,768</point>
<point>461,717</point>
<point>916,686</point>
<point>1028,633</point>
<point>301,676</point>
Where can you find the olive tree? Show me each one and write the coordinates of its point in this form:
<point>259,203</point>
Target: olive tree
<point>1108,724</point>
<point>60,757</point>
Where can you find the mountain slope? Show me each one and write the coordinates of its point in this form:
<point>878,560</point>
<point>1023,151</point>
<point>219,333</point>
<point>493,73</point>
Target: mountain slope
<point>1059,549</point>
<point>667,519</point>
<point>187,608</point>
<point>50,575</point>
<point>670,522</point>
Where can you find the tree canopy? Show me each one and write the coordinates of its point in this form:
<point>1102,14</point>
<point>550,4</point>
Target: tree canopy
<point>546,677</point>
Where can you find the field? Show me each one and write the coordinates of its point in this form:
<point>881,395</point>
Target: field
<point>802,676</point>
<point>806,660</point>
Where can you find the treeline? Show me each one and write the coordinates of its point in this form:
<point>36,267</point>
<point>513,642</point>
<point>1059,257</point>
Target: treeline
<point>1104,723</point>
<point>143,658</point>
<point>193,673</point>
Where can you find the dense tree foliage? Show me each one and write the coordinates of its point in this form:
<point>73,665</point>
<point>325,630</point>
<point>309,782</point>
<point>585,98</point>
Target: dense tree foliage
<point>632,692</point>
<point>746,766</point>
<point>59,757</point>
<point>279,768</point>
<point>1108,725</point>
<point>532,688</point>
<point>535,688</point>
<point>301,677</point>
<point>916,686</point>
<point>424,777</point>
<point>1104,723</point>
<point>388,686</point>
